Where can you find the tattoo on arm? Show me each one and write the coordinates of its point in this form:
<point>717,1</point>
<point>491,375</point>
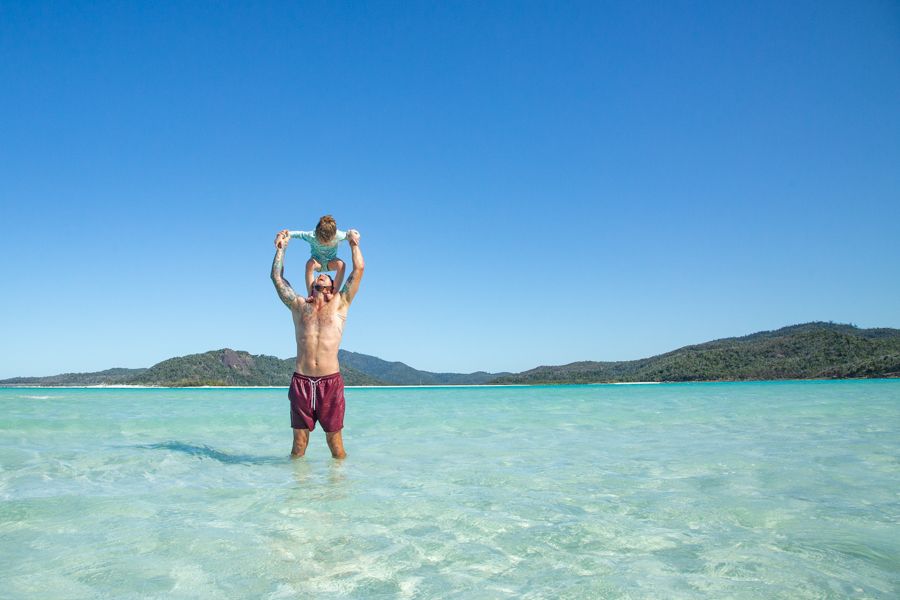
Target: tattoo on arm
<point>350,288</point>
<point>347,283</point>
<point>285,291</point>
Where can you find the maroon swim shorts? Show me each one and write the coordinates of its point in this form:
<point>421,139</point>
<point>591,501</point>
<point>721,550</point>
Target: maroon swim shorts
<point>317,399</point>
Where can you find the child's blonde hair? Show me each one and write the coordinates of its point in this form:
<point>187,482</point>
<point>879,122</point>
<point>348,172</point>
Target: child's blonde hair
<point>326,229</point>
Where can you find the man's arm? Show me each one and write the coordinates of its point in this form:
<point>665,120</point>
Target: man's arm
<point>352,286</point>
<point>284,289</point>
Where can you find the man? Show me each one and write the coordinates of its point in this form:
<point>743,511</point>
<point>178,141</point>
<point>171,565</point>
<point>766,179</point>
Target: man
<point>317,388</point>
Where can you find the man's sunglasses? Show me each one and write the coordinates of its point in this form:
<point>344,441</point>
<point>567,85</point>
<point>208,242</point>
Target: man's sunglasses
<point>322,288</point>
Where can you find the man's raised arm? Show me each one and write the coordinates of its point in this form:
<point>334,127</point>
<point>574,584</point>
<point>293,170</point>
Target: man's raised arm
<point>352,285</point>
<point>284,289</point>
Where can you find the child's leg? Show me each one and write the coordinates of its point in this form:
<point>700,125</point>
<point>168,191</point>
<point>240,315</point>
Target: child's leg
<point>339,266</point>
<point>311,266</point>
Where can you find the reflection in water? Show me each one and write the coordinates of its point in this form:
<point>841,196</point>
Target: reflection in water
<point>302,470</point>
<point>337,472</point>
<point>317,481</point>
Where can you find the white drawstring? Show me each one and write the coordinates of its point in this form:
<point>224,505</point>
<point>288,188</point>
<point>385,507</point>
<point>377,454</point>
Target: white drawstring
<point>313,384</point>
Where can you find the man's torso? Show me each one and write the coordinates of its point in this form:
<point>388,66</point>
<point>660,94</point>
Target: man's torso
<point>319,329</point>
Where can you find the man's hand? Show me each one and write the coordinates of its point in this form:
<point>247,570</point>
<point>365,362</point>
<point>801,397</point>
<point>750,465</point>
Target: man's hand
<point>282,238</point>
<point>353,237</point>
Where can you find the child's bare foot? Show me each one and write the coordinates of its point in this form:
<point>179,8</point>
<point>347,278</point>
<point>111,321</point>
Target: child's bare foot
<point>309,299</point>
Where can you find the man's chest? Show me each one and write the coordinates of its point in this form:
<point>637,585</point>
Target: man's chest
<point>326,317</point>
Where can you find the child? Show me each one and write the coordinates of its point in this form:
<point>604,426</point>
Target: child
<point>323,248</point>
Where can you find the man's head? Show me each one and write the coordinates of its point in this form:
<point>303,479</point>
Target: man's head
<point>323,284</point>
<point>326,229</point>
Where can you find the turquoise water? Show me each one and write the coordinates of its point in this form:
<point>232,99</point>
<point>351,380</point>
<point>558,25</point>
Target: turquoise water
<point>743,490</point>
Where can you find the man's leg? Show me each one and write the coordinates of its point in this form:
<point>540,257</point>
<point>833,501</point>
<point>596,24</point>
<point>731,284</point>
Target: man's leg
<point>301,439</point>
<point>335,444</point>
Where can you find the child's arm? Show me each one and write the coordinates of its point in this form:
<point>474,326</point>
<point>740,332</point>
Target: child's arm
<point>309,236</point>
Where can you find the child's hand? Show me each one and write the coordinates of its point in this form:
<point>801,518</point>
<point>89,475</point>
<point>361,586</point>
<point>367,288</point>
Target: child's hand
<point>282,238</point>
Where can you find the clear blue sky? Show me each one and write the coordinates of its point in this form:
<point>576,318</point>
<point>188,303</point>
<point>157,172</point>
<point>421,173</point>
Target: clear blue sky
<point>535,182</point>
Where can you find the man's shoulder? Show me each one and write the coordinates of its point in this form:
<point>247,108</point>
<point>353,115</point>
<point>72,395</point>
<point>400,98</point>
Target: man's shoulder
<point>300,305</point>
<point>342,303</point>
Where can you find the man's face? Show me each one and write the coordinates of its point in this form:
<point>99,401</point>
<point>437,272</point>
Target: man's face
<point>322,285</point>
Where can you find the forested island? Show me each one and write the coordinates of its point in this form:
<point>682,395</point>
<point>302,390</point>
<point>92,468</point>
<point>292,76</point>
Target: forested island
<point>807,351</point>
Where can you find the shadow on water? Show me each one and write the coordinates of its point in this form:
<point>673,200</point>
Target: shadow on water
<point>222,457</point>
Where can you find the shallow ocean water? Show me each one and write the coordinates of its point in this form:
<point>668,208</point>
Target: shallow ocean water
<point>733,490</point>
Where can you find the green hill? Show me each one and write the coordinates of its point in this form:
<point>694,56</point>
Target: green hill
<point>115,376</point>
<point>398,373</point>
<point>217,367</point>
<point>808,351</point>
